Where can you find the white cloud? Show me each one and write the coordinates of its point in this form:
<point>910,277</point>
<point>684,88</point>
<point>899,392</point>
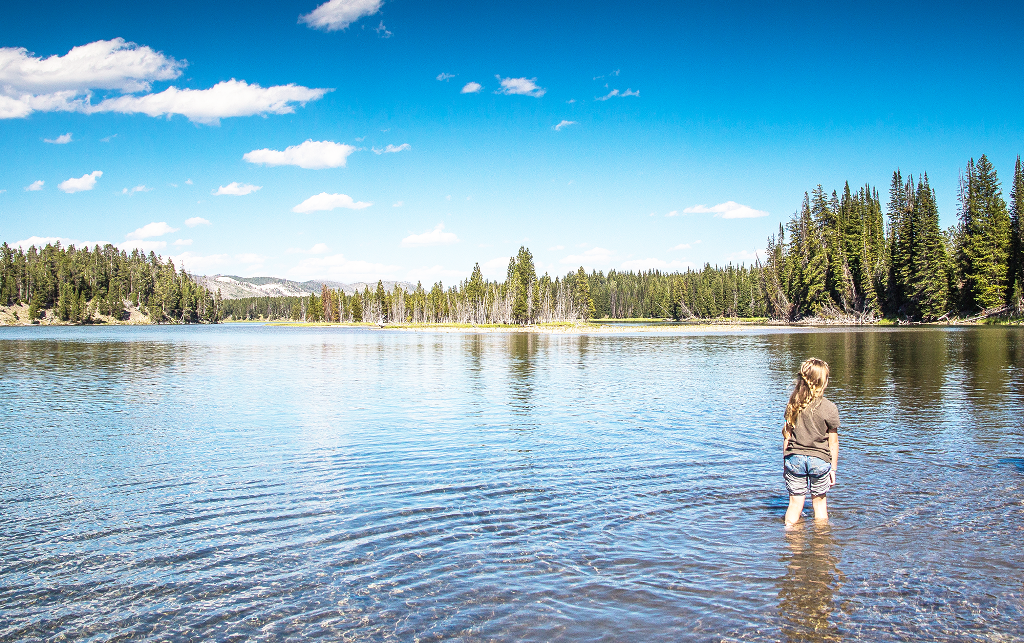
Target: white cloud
<point>325,202</point>
<point>317,249</point>
<point>589,259</point>
<point>397,204</point>
<point>471,88</point>
<point>63,139</point>
<point>685,246</point>
<point>559,127</point>
<point>151,230</point>
<point>745,256</point>
<point>63,83</point>
<point>107,139</point>
<point>104,64</point>
<point>250,258</point>
<point>41,242</point>
<point>35,187</point>
<point>182,242</point>
<point>655,264</point>
<point>390,149</point>
<point>188,181</point>
<point>199,264</point>
<point>522,86</point>
<point>235,189</point>
<point>435,237</point>
<point>225,99</point>
<point>339,268</point>
<point>2,191</point>
<point>673,213</point>
<point>311,155</point>
<point>496,268</point>
<point>141,245</point>
<point>83,184</point>
<point>137,188</point>
<point>194,221</point>
<point>338,14</point>
<point>432,274</point>
<point>445,77</point>
<point>613,93</point>
<point>382,30</point>
<point>727,210</point>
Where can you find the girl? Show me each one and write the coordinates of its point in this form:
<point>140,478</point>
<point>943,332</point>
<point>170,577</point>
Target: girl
<point>810,442</point>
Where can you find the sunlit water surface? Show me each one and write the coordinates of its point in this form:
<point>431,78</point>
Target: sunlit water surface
<point>262,483</point>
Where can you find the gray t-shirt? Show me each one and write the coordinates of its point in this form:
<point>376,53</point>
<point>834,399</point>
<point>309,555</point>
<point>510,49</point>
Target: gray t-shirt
<point>810,435</point>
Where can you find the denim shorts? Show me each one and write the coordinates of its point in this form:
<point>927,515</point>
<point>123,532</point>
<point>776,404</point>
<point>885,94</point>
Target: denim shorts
<point>803,471</point>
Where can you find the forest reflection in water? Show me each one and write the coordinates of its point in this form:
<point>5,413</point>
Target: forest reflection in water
<point>258,482</point>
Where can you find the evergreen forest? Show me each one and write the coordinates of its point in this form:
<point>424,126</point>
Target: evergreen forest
<point>83,285</point>
<point>842,256</point>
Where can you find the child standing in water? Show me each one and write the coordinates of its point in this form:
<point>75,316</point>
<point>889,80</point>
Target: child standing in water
<point>810,442</point>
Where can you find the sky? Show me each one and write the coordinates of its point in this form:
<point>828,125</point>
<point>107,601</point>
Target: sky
<point>356,140</point>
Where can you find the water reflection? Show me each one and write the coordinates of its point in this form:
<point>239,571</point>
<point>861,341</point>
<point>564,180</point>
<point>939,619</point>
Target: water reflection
<point>807,593</point>
<point>260,483</point>
<point>522,355</point>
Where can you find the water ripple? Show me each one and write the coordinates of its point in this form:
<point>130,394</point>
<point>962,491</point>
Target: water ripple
<point>257,483</point>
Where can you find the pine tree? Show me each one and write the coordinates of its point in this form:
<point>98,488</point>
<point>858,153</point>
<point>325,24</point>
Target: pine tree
<point>986,243</point>
<point>900,257</point>
<point>1015,281</point>
<point>929,289</point>
<point>873,250</point>
<point>584,302</point>
<point>326,303</point>
<point>357,307</point>
<point>815,273</point>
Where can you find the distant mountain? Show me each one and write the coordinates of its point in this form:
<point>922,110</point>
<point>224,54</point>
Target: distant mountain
<point>234,287</point>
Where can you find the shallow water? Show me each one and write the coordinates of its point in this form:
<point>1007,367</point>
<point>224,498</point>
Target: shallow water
<point>267,483</point>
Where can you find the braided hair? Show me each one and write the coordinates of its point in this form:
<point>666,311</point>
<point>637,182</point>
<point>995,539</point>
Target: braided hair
<point>810,386</point>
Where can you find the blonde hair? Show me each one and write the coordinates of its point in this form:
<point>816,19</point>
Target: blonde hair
<point>810,386</point>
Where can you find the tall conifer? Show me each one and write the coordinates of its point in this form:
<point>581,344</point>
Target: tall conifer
<point>986,243</point>
<point>929,289</point>
<point>898,248</point>
<point>1015,285</point>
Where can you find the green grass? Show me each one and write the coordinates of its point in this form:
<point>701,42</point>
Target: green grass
<point>433,325</point>
<point>298,323</point>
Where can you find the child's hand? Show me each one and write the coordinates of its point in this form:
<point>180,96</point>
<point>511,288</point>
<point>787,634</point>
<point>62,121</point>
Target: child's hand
<point>832,478</point>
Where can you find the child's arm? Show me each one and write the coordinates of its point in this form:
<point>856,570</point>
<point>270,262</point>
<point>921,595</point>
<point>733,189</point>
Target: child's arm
<point>786,437</point>
<point>833,447</point>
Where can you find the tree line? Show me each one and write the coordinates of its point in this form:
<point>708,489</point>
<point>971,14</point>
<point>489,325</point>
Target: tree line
<point>836,256</point>
<point>840,256</point>
<point>523,297</point>
<point>80,284</point>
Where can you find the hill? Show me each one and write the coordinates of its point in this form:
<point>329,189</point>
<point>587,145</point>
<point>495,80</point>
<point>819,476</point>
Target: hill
<point>234,287</point>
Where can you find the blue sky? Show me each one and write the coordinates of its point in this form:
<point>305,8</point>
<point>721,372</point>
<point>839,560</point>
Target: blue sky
<point>612,135</point>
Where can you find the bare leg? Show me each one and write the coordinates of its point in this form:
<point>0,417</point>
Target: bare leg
<point>796,505</point>
<point>820,507</point>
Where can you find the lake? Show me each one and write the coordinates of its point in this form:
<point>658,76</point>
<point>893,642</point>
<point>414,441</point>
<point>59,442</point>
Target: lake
<point>245,482</point>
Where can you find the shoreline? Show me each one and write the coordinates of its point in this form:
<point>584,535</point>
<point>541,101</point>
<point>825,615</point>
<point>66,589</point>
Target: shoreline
<point>17,316</point>
<point>616,328</point>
